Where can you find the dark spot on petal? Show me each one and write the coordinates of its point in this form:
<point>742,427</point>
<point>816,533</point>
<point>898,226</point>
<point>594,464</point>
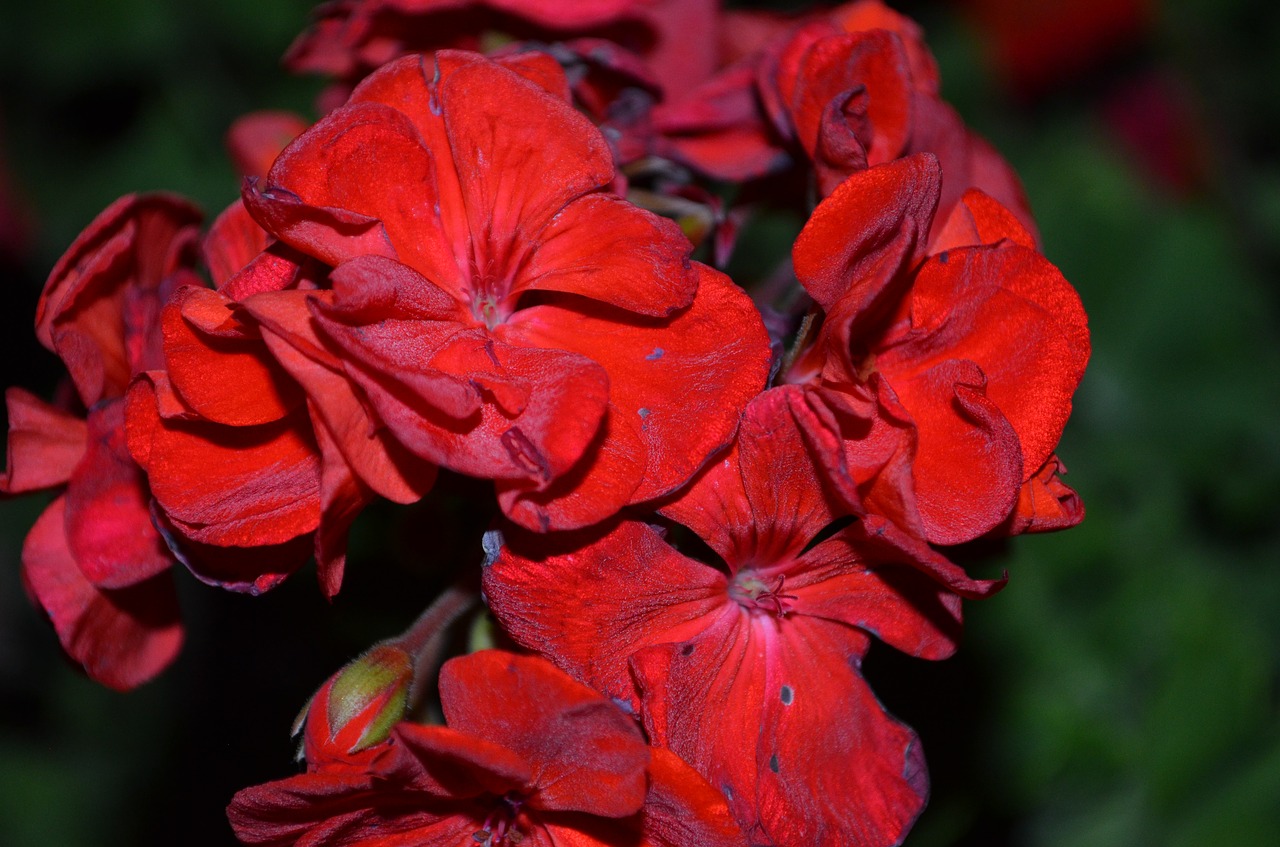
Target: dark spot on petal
<point>944,256</point>
<point>686,650</point>
<point>773,763</point>
<point>656,354</point>
<point>728,792</point>
<point>787,695</point>
<point>644,413</point>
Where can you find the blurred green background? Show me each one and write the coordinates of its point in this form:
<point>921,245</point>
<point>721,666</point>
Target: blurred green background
<point>1123,690</point>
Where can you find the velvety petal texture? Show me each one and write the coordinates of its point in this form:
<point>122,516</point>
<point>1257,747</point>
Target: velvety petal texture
<point>499,313</point>
<point>741,673</point>
<point>529,756</point>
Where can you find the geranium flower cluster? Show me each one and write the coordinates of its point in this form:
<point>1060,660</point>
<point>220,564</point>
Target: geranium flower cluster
<point>500,254</point>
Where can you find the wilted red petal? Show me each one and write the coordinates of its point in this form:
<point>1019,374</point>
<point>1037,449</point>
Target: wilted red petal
<point>1045,503</point>
<point>586,754</point>
<point>445,761</point>
<point>45,444</point>
<point>120,259</point>
<point>123,637</point>
<point>108,507</point>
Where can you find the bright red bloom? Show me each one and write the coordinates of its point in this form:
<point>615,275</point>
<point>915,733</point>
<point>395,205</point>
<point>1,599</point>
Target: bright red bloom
<point>93,560</point>
<point>528,757</point>
<point>983,344</point>
<point>751,675</point>
<point>242,470</point>
<point>502,315</point>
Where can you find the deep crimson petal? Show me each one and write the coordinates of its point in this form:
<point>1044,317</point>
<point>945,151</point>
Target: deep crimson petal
<point>230,486</point>
<point>1008,310</point>
<point>604,248</point>
<point>108,508</point>
<point>45,444</point>
<point>872,226</point>
<point>586,754</point>
<point>115,267</point>
<point>685,379</point>
<point>226,378</point>
<point>244,570</point>
<point>122,638</point>
<point>968,464</point>
<point>636,590</point>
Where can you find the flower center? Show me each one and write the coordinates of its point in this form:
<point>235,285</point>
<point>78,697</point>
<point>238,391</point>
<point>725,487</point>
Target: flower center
<point>486,310</point>
<point>752,592</point>
<point>500,825</point>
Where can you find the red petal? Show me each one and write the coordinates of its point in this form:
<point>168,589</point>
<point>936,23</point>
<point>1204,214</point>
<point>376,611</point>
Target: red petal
<point>254,140</point>
<point>979,219</point>
<point>226,378</point>
<point>780,720</point>
<point>373,454</point>
<point>342,497</point>
<point>451,763</point>
<point>861,237</point>
<point>229,486</point>
<point>1013,314</point>
<point>968,464</point>
<point>586,754</point>
<point>108,506</point>
<point>515,175</point>
<point>682,808</point>
<point>763,501</point>
<point>232,242</point>
<point>604,248</point>
<point>641,592</point>
<point>685,380</point>
<point>122,638</point>
<point>843,581</point>
<point>45,444</point>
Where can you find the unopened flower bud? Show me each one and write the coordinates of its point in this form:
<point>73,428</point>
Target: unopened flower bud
<point>357,707</point>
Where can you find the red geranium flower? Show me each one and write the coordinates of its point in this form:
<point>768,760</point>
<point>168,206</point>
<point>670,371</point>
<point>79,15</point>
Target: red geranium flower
<point>93,560</point>
<point>982,345</point>
<point>528,757</point>
<point>751,675</point>
<point>502,315</point>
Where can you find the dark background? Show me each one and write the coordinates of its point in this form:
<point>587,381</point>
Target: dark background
<point>1122,691</point>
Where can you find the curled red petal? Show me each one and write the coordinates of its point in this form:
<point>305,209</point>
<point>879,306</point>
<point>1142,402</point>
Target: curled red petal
<point>121,638</point>
<point>45,444</point>
<point>872,226</point>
